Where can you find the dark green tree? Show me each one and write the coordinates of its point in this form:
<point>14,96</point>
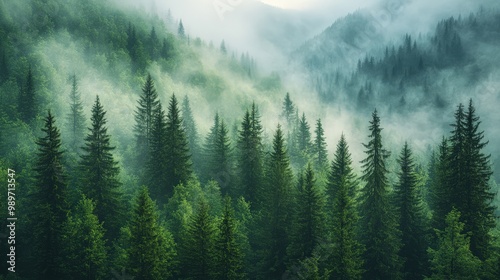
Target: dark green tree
<point>308,229</point>
<point>99,173</point>
<point>209,150</point>
<point>180,30</point>
<point>378,226</point>
<point>76,117</point>
<point>276,219</point>
<point>197,245</point>
<point>156,165</point>
<point>153,45</point>
<point>178,166</point>
<point>346,262</point>
<point>319,146</point>
<point>412,223</point>
<point>221,161</point>
<point>27,99</point>
<point>304,135</point>
<point>453,259</point>
<point>84,255</point>
<point>250,156</point>
<point>152,249</point>
<point>228,254</point>
<point>470,172</point>
<point>50,201</point>
<point>288,111</point>
<point>440,191</point>
<point>189,125</point>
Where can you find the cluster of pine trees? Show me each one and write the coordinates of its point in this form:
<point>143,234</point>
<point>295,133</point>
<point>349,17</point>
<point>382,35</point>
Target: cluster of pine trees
<point>236,208</point>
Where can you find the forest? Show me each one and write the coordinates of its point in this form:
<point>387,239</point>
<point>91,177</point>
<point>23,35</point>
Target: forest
<point>131,150</point>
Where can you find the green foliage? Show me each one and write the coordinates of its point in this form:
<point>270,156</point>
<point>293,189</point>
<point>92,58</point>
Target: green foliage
<point>27,99</point>
<point>191,130</point>
<point>152,249</point>
<point>319,146</point>
<point>378,225</point>
<point>76,117</point>
<point>84,254</point>
<point>452,259</point>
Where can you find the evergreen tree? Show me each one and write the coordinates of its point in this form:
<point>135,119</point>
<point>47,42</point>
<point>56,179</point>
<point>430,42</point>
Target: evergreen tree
<point>191,132</point>
<point>320,152</point>
<point>288,111</point>
<point>76,117</point>
<point>470,173</point>
<point>155,168</point>
<point>84,255</point>
<point>304,135</point>
<point>309,228</point>
<point>223,49</point>
<point>180,30</point>
<point>197,247</point>
<point>346,260</point>
<point>178,166</point>
<point>27,99</point>
<point>228,254</point>
<point>151,251</point>
<point>250,166</point>
<point>453,259</point>
<point>440,191</point>
<point>222,166</point>
<point>147,106</point>
<point>209,150</point>
<point>99,173</point>
<point>379,231</point>
<point>50,201</point>
<point>411,218</point>
<point>153,45</point>
<point>276,218</point>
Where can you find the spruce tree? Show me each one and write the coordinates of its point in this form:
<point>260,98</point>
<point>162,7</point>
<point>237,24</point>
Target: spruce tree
<point>453,259</point>
<point>151,251</point>
<point>180,30</point>
<point>469,177</point>
<point>304,135</point>
<point>228,254</point>
<point>84,255</point>
<point>50,201</point>
<point>411,215</point>
<point>191,132</point>
<point>76,117</point>
<point>99,173</point>
<point>250,153</point>
<point>276,218</point>
<point>440,191</point>
<point>378,226</point>
<point>147,105</point>
<point>288,111</point>
<point>178,167</point>
<point>346,261</point>
<point>222,164</point>
<point>197,245</point>
<point>27,99</point>
<point>319,146</point>
<point>308,230</point>
<point>209,150</point>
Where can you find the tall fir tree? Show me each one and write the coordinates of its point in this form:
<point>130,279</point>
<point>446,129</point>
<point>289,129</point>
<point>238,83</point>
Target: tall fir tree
<point>76,117</point>
<point>99,173</point>
<point>304,135</point>
<point>50,202</point>
<point>453,259</point>
<point>319,146</point>
<point>152,249</point>
<point>180,30</point>
<point>178,167</point>
<point>197,245</point>
<point>84,255</point>
<point>189,125</point>
<point>228,253</point>
<point>147,106</point>
<point>276,218</point>
<point>379,232</point>
<point>221,161</point>
<point>346,262</point>
<point>308,229</point>
<point>27,99</point>
<point>250,156</point>
<point>412,222</point>
<point>470,172</point>
<point>288,111</point>
<point>440,190</point>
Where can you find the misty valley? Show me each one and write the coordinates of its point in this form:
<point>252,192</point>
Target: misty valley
<point>256,140</point>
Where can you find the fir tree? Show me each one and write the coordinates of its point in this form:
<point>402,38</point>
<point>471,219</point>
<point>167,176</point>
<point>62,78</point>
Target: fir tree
<point>178,166</point>
<point>99,172</point>
<point>320,152</point>
<point>228,254</point>
<point>250,166</point>
<point>411,218</point>
<point>440,191</point>
<point>151,251</point>
<point>27,99</point>
<point>191,131</point>
<point>144,115</point>
<point>197,247</point>
<point>276,219</point>
<point>50,201</point>
<point>304,135</point>
<point>453,259</point>
<point>222,166</point>
<point>288,111</point>
<point>309,228</point>
<point>155,168</point>
<point>346,260</point>
<point>76,117</point>
<point>180,30</point>
<point>84,255</point>
<point>379,231</point>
